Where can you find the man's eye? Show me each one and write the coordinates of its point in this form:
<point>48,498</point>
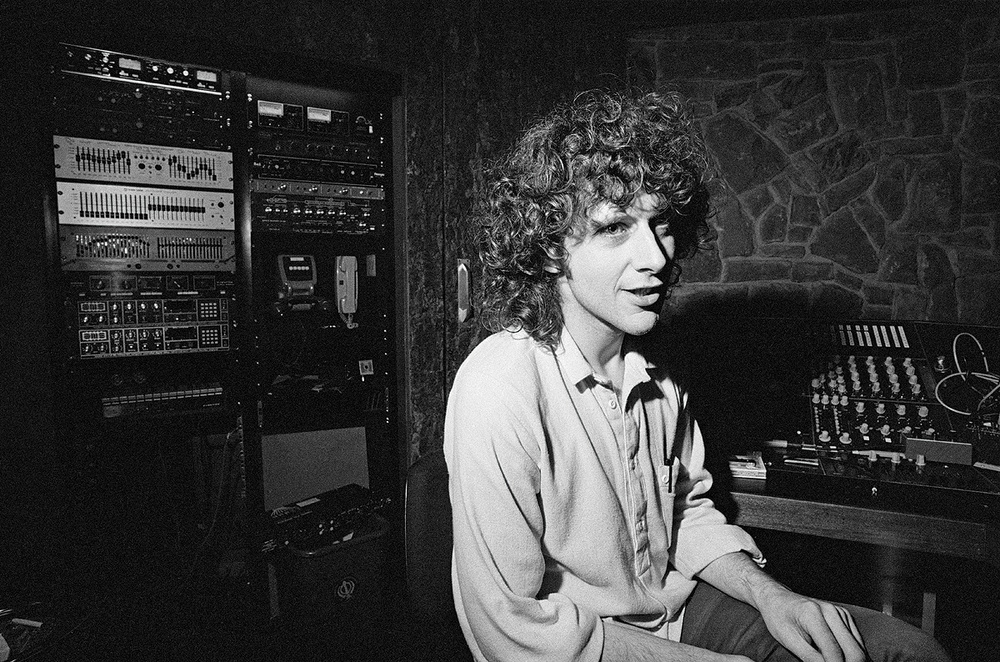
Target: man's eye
<point>612,228</point>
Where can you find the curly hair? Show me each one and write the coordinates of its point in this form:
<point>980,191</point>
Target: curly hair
<point>601,147</point>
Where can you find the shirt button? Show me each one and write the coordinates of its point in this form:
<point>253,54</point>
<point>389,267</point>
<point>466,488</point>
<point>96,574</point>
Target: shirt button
<point>613,404</point>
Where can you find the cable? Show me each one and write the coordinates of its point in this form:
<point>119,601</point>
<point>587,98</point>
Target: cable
<point>964,374</point>
<point>991,378</point>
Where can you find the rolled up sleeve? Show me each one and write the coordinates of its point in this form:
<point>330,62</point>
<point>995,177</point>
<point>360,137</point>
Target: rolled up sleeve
<point>702,533</point>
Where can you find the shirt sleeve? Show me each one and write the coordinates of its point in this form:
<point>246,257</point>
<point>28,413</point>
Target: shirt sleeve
<point>701,533</point>
<point>491,445</point>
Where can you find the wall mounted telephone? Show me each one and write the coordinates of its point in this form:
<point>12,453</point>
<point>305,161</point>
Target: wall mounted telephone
<point>297,285</point>
<point>347,289</point>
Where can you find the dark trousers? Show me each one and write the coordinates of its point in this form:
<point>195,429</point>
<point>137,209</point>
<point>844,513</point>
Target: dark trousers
<point>717,622</point>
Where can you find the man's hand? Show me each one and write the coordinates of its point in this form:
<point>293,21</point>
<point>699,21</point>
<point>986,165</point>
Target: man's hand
<point>813,630</point>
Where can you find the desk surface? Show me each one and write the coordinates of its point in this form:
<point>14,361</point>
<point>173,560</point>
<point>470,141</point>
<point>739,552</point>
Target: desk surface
<point>978,541</point>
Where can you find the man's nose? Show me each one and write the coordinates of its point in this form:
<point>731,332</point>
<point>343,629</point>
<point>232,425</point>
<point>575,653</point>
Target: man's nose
<point>652,252</point>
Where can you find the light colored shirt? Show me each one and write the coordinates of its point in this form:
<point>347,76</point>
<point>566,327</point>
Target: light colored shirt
<point>571,503</point>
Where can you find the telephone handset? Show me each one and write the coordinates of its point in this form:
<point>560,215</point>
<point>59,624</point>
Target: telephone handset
<point>347,289</point>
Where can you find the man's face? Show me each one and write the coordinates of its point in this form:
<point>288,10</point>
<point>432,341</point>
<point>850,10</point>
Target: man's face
<point>616,270</point>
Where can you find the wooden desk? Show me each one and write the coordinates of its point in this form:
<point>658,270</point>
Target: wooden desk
<point>977,541</point>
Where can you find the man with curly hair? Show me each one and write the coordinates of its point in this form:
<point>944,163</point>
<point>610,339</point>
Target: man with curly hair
<point>582,530</point>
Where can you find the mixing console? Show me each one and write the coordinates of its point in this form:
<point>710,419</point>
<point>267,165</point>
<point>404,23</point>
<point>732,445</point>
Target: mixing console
<point>902,415</point>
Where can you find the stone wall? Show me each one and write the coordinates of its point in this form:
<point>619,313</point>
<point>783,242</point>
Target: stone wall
<point>860,162</point>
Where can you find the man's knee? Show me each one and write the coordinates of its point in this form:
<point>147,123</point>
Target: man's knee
<point>889,639</point>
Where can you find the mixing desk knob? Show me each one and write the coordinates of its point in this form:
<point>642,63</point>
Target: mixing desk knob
<point>824,436</point>
<point>885,430</point>
<point>845,438</point>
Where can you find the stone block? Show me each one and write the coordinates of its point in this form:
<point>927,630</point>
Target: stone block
<point>976,32</point>
<point>898,264</point>
<point>800,234</point>
<point>850,188</point>
<point>809,272</point>
<point>935,196</point>
<point>846,279</point>
<point>843,51</point>
<point>986,54</point>
<point>870,220</point>
<point>729,96</point>
<point>692,90</point>
<point>976,238</point>
<point>641,64</point>
<point>756,200</point>
<point>740,270</point>
<point>982,127</point>
<point>774,225</point>
<point>765,31</point>
<point>735,230</point>
<point>781,190</point>
<point>805,124</point>
<point>933,267</point>
<point>980,188</point>
<point>856,91</point>
<point>889,189</point>
<point>943,304</point>
<point>978,220</point>
<point>842,240</point>
<point>769,66</point>
<point>874,312</point>
<point>704,267</point>
<point>979,297</point>
<point>783,250</point>
<point>981,72</point>
<point>877,295</point>
<point>982,88</point>
<point>954,103</point>
<point>745,157</point>
<point>910,304</point>
<point>904,146</point>
<point>931,56</point>
<point>799,88</point>
<point>720,60</point>
<point>808,32</point>
<point>761,108</point>
<point>841,156</point>
<point>831,301</point>
<point>925,114</point>
<point>852,28</point>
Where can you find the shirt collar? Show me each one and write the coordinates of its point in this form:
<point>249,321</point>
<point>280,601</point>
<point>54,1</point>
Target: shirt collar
<point>637,367</point>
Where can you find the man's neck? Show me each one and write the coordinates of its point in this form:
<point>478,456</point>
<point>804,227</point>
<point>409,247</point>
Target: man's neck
<point>603,350</point>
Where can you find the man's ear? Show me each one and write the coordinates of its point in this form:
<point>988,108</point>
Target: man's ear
<point>551,265</point>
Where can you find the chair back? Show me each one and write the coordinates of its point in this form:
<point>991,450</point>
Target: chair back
<point>428,540</point>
